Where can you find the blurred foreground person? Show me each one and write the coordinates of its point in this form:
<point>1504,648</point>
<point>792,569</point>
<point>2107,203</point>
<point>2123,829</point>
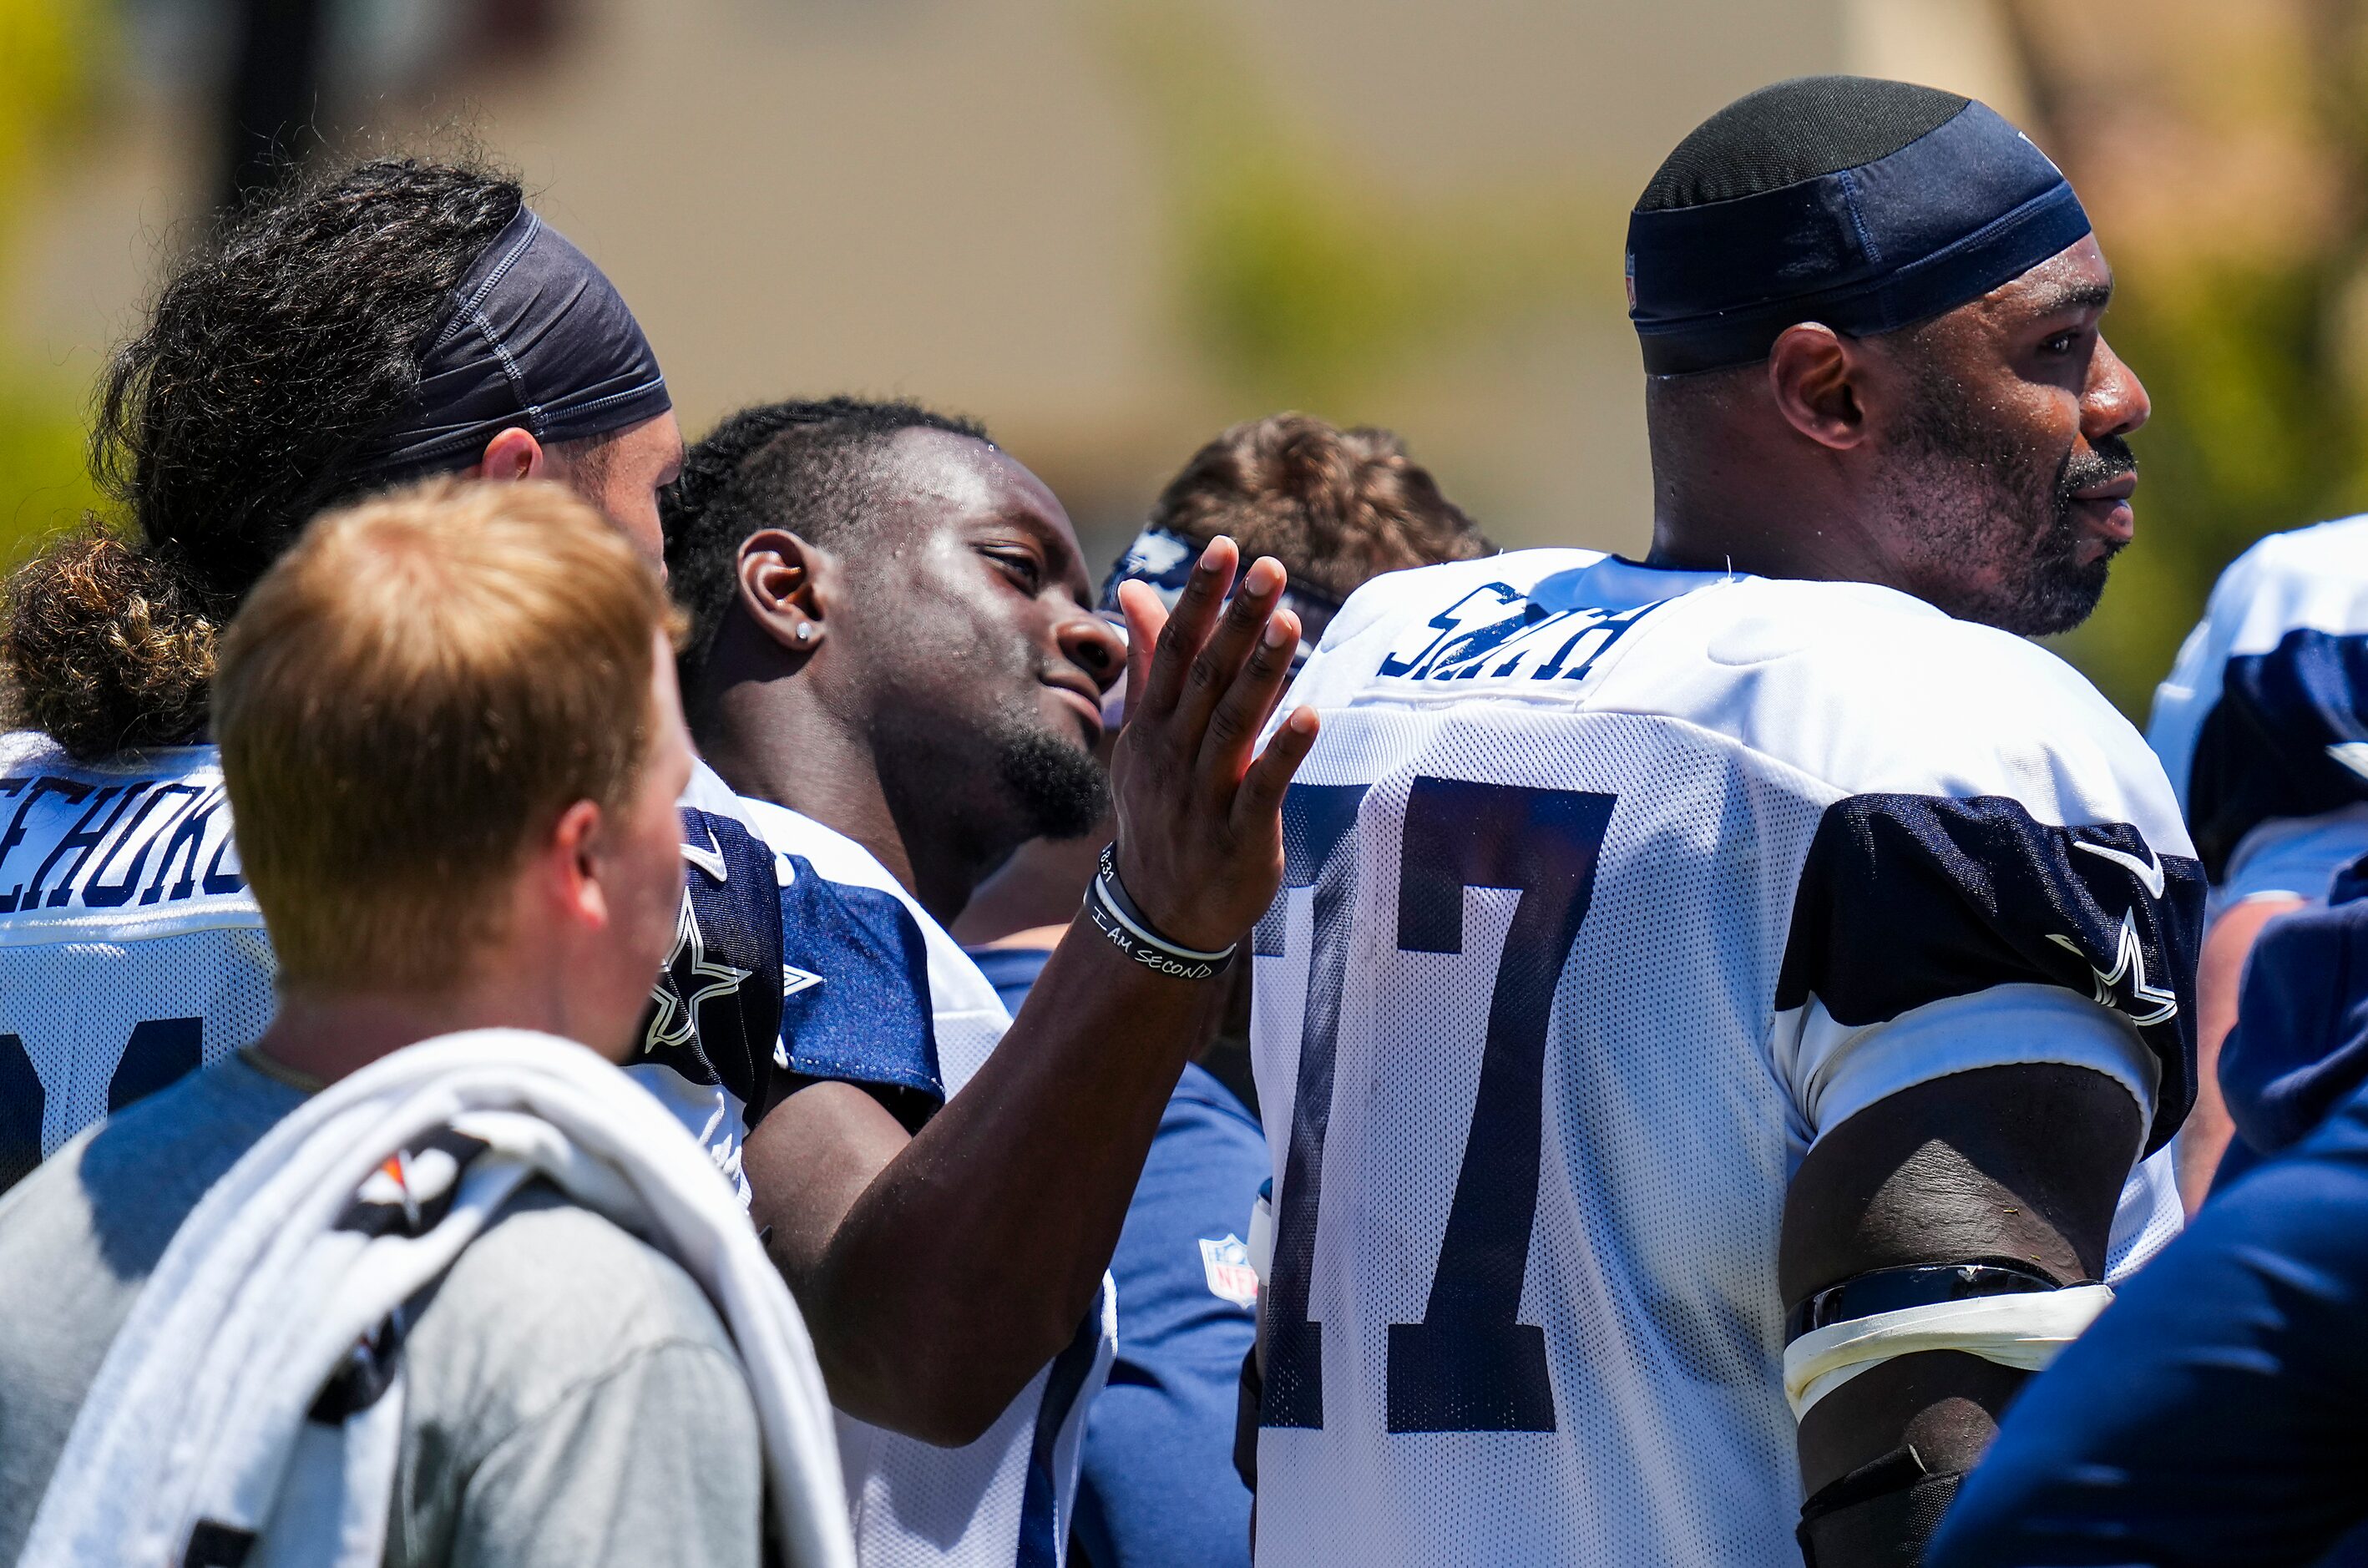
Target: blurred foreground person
<point>332,1300</point>
<point>1721,1002</point>
<point>1159,1488</point>
<point>393,320</point>
<point>2263,725</point>
<point>893,654</point>
<point>2215,1417</point>
<point>2299,1049</point>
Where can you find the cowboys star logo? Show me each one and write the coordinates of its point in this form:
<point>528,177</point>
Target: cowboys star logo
<point>2148,1004</point>
<point>679,993</point>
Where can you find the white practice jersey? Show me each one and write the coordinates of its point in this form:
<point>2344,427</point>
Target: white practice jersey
<point>1609,892</point>
<point>131,953</point>
<point>882,995</point>
<point>710,1046</point>
<point>129,948</point>
<point>2262,724</point>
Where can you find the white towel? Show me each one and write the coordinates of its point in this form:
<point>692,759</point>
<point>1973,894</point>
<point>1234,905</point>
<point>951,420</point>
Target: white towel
<point>197,1414</point>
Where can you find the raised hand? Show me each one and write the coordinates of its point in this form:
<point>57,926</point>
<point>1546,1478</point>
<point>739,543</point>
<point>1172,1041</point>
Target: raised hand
<point>1200,810</point>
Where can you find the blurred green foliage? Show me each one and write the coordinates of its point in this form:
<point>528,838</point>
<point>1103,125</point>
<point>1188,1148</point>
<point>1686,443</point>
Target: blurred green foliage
<point>45,46</point>
<point>2249,340</point>
<point>2257,426</point>
<point>1305,282</point>
<point>45,484</point>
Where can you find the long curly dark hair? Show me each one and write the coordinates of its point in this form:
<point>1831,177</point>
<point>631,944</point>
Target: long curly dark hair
<point>268,363</point>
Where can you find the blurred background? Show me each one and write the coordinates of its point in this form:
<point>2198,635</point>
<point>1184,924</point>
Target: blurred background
<point>1111,227</point>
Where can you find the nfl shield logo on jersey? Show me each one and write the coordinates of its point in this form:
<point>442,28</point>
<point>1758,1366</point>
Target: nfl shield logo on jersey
<point>1227,1263</point>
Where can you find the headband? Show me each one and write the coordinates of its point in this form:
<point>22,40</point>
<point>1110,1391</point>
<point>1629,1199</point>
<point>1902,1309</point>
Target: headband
<point>1163,561</point>
<point>538,339</point>
<point>1967,205</point>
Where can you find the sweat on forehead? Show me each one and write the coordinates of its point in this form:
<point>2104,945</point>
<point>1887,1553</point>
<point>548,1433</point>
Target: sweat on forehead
<point>1863,204</point>
<point>938,474</point>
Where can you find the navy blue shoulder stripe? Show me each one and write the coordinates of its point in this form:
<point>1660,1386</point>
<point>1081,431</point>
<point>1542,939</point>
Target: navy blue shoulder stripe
<point>2276,744</point>
<point>1911,899</point>
<point>716,1010</point>
<point>859,1010</point>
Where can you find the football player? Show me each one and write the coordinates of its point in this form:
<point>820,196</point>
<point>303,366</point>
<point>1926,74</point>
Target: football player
<point>2263,725</point>
<point>1158,1488</point>
<point>1720,1000</point>
<point>894,650</point>
<point>393,319</point>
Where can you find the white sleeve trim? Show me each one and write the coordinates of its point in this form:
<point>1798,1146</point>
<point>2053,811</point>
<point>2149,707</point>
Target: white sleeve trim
<point>1839,1070</point>
<point>2149,1216</point>
<point>1261,1242</point>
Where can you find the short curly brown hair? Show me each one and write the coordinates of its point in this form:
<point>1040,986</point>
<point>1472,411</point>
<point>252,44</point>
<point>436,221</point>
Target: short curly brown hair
<point>104,647</point>
<point>1335,507</point>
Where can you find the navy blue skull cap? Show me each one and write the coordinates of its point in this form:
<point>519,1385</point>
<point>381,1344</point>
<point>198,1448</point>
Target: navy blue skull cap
<point>1864,204</point>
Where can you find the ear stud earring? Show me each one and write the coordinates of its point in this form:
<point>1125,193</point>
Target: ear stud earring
<point>805,632</point>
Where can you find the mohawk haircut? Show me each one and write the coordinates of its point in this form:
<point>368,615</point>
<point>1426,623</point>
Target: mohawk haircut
<point>1794,130</point>
<point>810,467</point>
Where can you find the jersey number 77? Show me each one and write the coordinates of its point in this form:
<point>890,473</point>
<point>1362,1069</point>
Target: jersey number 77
<point>1468,1366</point>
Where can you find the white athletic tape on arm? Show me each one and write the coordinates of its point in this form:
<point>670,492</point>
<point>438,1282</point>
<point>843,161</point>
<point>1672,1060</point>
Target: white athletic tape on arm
<point>1262,1243</point>
<point>2024,1330</point>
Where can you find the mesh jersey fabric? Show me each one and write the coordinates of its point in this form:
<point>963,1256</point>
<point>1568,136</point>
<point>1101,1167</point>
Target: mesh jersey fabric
<point>1159,1487</point>
<point>898,1005</point>
<point>131,950</point>
<point>2263,723</point>
<point>1609,890</point>
<point>1011,970</point>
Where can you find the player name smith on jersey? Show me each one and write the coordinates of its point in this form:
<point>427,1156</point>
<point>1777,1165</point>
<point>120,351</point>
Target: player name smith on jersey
<point>1645,881</point>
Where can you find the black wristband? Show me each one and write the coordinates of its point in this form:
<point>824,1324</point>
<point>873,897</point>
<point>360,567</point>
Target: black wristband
<point>1914,1285</point>
<point>1121,923</point>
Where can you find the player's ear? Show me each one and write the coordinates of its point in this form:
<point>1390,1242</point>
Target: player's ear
<point>570,865</point>
<point>513,454</point>
<point>784,588</point>
<point>1818,379</point>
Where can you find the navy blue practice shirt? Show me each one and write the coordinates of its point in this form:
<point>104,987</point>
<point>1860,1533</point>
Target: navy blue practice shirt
<point>1159,1490</point>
